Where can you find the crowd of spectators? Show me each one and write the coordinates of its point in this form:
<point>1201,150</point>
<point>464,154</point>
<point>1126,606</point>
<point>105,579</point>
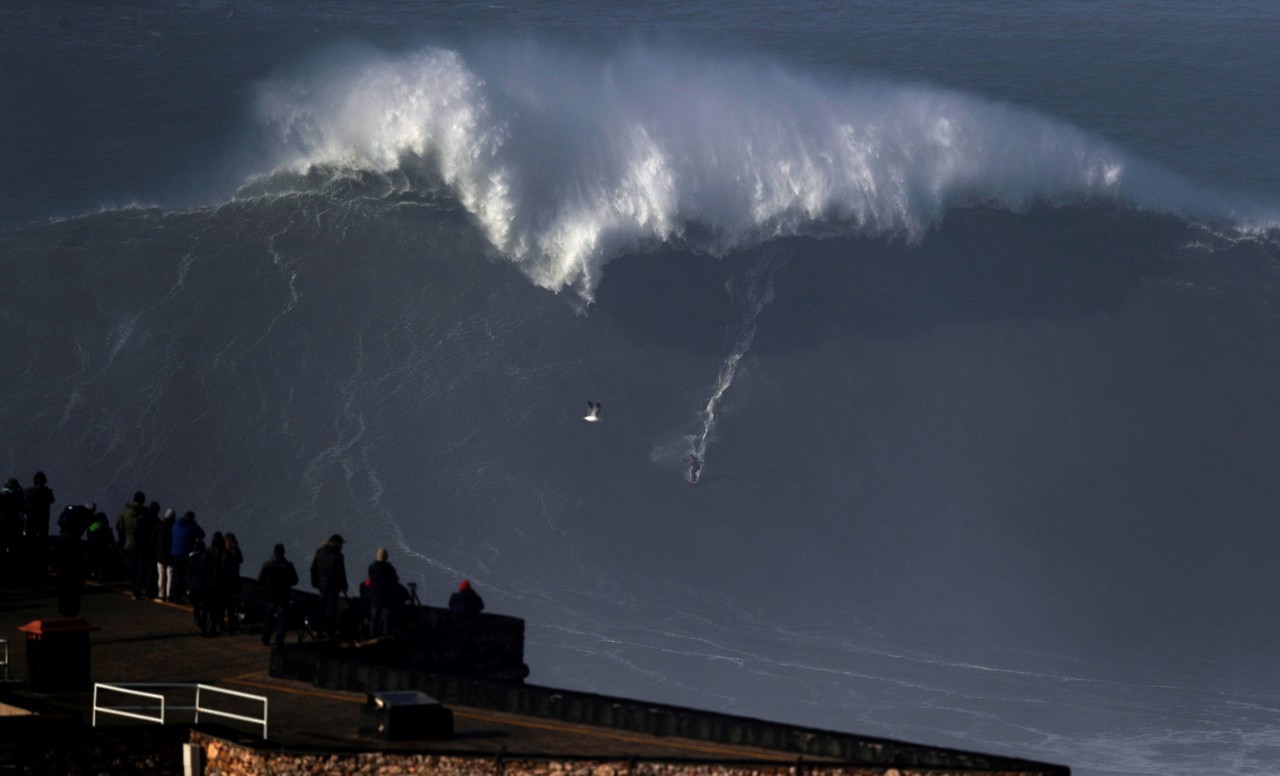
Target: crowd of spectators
<point>166,558</point>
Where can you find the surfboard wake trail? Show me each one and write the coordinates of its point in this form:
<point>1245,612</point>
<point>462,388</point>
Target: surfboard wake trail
<point>757,293</point>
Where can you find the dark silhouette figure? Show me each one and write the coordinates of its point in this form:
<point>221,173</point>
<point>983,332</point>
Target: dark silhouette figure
<point>75,520</point>
<point>144,552</point>
<point>384,594</point>
<point>70,561</point>
<point>101,546</point>
<point>127,522</point>
<point>234,592</point>
<point>466,603</point>
<point>695,466</point>
<point>39,500</point>
<point>163,545</point>
<point>214,577</point>
<point>329,577</point>
<point>199,580</point>
<point>12,505</point>
<point>277,577</point>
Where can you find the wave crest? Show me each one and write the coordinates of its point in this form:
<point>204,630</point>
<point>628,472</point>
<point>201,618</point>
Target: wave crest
<point>565,161</point>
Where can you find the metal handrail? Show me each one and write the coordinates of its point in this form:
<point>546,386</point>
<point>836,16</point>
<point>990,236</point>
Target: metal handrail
<point>228,715</point>
<point>165,707</point>
<point>128,711</point>
<point>5,664</point>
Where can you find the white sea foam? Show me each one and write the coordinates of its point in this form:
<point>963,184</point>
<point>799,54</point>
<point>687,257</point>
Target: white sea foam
<point>564,161</point>
<point>757,293</point>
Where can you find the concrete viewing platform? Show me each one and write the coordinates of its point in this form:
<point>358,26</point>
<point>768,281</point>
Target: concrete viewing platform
<point>317,692</point>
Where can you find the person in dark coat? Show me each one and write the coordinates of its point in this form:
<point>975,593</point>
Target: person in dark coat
<point>101,545</point>
<point>213,587</point>
<point>186,532</point>
<point>234,588</point>
<point>127,534</point>
<point>197,578</point>
<point>144,552</point>
<point>75,520</point>
<point>39,498</point>
<point>329,577</point>
<point>277,577</point>
<point>163,544</point>
<point>71,566</point>
<point>12,506</point>
<point>384,594</point>
<point>466,604</point>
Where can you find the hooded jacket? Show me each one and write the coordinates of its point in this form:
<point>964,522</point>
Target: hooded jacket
<point>127,525</point>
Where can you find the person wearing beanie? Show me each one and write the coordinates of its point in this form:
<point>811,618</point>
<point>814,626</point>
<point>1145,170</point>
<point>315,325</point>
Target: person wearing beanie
<point>466,603</point>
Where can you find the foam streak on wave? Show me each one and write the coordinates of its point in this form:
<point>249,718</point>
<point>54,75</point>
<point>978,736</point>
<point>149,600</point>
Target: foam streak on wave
<point>758,294</point>
<point>566,161</point>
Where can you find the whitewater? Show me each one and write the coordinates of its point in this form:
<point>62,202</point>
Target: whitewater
<point>973,314</point>
<point>567,161</point>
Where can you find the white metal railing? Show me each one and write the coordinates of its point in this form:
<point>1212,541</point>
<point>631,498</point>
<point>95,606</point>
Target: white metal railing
<point>226,714</point>
<point>5,664</point>
<point>164,707</point>
<point>133,712</point>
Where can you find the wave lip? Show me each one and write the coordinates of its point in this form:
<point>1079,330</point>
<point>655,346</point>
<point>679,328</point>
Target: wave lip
<point>565,162</point>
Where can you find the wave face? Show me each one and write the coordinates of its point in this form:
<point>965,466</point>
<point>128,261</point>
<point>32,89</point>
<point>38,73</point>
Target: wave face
<point>996,490</point>
<point>566,161</point>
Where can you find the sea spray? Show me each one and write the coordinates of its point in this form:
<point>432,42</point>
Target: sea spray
<point>566,161</point>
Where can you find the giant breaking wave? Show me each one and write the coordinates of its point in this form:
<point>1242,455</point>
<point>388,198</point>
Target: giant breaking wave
<point>565,160</point>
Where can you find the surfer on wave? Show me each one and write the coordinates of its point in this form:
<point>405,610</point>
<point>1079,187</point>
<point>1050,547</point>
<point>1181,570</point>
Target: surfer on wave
<point>695,466</point>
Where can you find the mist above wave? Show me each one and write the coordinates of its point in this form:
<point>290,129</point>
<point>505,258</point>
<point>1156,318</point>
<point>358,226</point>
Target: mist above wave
<point>565,160</point>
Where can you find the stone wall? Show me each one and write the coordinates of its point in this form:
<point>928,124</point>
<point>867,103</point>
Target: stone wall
<point>346,670</point>
<point>37,744</point>
<point>228,758</point>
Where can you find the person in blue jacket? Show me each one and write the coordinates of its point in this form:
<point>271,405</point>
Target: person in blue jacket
<point>185,532</point>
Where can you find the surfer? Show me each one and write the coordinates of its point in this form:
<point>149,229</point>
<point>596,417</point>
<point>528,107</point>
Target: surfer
<point>593,411</point>
<point>694,466</point>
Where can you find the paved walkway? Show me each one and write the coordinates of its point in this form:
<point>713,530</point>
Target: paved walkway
<point>148,641</point>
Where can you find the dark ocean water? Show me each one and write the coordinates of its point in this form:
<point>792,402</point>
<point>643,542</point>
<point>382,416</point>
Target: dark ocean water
<point>971,313</point>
